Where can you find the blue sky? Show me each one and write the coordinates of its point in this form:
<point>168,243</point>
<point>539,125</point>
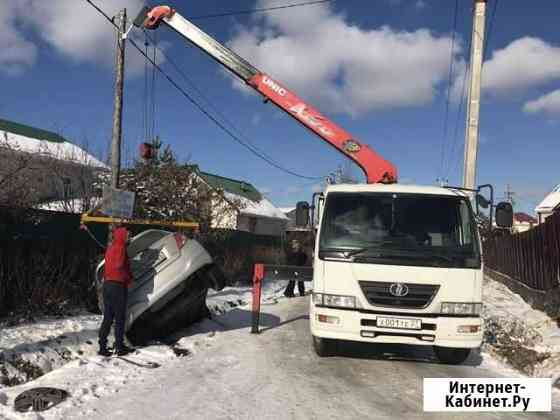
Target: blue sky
<point>378,68</point>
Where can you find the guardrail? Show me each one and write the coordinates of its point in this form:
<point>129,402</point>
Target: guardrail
<point>274,272</point>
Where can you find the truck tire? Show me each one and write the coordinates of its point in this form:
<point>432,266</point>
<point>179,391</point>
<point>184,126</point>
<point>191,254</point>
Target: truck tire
<point>325,347</point>
<point>451,356</point>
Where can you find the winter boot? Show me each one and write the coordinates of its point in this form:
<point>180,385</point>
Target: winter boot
<point>104,352</point>
<point>124,350</point>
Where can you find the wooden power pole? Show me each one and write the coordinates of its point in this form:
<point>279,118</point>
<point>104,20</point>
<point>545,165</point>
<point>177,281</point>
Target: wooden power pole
<point>118,106</point>
<point>473,111</point>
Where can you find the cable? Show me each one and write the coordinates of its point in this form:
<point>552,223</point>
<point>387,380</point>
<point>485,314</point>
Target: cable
<point>462,99</point>
<point>145,100</point>
<point>445,121</point>
<point>209,103</point>
<point>265,9</point>
<point>489,29</point>
<point>202,109</point>
<point>154,73</point>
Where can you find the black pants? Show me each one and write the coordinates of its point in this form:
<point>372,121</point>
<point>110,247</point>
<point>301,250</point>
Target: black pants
<point>114,303</point>
<point>292,284</point>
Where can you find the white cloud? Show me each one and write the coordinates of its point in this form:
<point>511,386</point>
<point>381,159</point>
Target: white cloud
<point>16,53</point>
<point>73,28</point>
<point>548,104</point>
<point>343,67</point>
<point>525,63</point>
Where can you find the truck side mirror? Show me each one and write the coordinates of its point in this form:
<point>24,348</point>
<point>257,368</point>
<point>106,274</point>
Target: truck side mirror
<point>302,214</point>
<point>504,215</point>
<point>482,201</point>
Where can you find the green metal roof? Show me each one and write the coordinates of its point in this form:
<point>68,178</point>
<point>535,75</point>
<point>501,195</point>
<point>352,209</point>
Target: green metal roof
<point>27,131</point>
<point>234,186</point>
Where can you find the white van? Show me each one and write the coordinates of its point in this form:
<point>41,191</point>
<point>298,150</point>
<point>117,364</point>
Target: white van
<point>398,264</point>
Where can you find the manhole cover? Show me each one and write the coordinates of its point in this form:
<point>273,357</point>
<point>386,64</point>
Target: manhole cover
<point>39,399</point>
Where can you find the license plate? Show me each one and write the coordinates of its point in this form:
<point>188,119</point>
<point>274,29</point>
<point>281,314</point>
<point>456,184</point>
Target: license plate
<point>399,323</point>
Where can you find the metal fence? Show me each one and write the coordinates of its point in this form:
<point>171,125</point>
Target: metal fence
<point>531,257</point>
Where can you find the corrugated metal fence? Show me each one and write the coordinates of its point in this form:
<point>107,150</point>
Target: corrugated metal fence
<point>531,257</point>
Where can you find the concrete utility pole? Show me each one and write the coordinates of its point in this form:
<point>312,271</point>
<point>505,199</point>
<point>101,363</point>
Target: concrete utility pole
<point>117,112</point>
<point>473,110</point>
<point>509,195</point>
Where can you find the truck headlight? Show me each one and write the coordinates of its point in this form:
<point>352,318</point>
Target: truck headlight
<point>452,308</point>
<point>317,298</point>
<point>339,301</point>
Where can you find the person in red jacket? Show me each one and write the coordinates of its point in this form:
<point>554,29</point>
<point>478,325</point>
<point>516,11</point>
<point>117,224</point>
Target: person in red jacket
<point>117,280</point>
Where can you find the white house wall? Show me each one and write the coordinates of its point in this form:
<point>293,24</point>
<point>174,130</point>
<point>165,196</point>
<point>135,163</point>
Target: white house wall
<point>261,225</point>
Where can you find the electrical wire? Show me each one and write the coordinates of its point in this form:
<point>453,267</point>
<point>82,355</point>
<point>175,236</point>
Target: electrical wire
<point>252,11</point>
<point>202,109</point>
<point>489,29</point>
<point>446,119</point>
<point>154,74</point>
<point>208,102</point>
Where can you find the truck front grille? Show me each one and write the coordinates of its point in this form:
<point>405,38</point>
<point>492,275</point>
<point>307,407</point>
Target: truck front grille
<point>418,296</point>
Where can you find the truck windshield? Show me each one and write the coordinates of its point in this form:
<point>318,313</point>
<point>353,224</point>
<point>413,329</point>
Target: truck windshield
<point>400,229</point>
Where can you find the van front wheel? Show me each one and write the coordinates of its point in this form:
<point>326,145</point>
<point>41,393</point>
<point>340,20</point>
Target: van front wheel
<point>452,356</point>
<point>324,347</point>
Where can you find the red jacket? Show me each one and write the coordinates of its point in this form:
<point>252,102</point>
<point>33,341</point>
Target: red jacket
<point>117,264</point>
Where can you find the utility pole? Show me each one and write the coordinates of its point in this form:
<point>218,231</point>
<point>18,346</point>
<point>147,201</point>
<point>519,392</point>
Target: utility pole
<point>118,105</point>
<point>509,195</point>
<point>473,111</point>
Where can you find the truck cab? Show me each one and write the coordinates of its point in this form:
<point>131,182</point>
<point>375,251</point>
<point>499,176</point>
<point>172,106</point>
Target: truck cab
<point>397,264</point>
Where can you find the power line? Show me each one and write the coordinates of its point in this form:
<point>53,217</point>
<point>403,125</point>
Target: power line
<point>252,11</point>
<point>246,143</point>
<point>462,100</point>
<point>489,30</point>
<point>208,102</point>
<point>202,109</point>
<point>217,122</point>
<point>445,121</point>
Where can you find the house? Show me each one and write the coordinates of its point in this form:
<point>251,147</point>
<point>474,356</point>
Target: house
<point>242,207</point>
<point>44,164</point>
<point>522,222</point>
<point>550,205</point>
<point>290,213</point>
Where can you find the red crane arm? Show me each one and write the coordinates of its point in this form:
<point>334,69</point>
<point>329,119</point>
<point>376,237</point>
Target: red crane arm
<point>374,166</point>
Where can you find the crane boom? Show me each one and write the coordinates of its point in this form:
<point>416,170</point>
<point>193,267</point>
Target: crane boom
<point>374,166</point>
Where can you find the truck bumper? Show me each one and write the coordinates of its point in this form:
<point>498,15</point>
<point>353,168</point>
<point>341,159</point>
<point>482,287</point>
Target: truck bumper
<point>357,325</point>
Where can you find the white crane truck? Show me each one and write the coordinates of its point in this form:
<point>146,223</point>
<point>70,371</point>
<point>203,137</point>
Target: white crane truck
<point>392,263</point>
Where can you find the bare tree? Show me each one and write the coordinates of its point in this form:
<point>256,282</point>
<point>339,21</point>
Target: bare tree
<point>15,168</point>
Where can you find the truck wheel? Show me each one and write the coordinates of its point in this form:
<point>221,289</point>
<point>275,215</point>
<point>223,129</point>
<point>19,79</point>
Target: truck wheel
<point>451,356</point>
<point>324,347</point>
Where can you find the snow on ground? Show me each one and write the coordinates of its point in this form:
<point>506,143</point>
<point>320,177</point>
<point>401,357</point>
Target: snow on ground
<point>526,338</point>
<point>31,350</point>
<point>65,349</point>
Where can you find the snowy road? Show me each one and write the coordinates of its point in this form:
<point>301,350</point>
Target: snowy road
<point>275,375</point>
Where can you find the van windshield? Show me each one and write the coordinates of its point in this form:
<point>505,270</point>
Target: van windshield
<point>400,229</point>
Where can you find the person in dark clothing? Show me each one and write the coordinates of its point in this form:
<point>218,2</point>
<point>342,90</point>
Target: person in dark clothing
<point>117,280</point>
<point>296,257</point>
